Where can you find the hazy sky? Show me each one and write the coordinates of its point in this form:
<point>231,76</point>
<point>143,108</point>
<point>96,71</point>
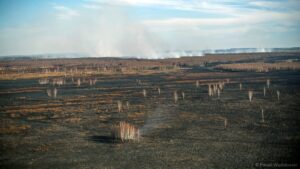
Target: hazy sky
<point>143,27</point>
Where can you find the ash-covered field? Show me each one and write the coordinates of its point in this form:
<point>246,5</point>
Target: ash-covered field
<point>199,117</point>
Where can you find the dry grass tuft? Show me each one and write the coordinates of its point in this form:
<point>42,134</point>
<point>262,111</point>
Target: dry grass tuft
<point>250,95</point>
<point>262,116</point>
<point>225,122</point>
<point>125,132</point>
<point>278,95</point>
<point>119,104</point>
<point>52,92</point>
<point>175,96</point>
<point>197,83</point>
<point>183,95</point>
<point>268,83</point>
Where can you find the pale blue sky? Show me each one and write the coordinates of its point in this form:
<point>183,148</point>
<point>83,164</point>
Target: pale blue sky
<point>138,27</point>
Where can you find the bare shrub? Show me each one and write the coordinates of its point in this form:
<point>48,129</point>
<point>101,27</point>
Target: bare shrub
<point>125,132</point>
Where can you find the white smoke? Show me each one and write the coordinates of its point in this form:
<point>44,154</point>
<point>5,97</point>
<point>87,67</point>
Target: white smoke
<point>104,32</point>
<point>113,33</point>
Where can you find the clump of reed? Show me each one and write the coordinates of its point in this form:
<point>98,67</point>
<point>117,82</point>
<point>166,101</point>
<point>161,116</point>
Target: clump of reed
<point>264,91</point>
<point>175,96</point>
<point>119,104</point>
<point>268,83</point>
<point>183,95</point>
<point>43,81</point>
<point>278,95</point>
<point>125,132</point>
<point>250,95</point>
<point>127,105</point>
<point>93,81</point>
<point>78,82</point>
<point>58,81</point>
<point>262,116</point>
<point>144,93</point>
<point>241,86</point>
<point>225,122</point>
<point>215,89</point>
<point>197,83</point>
<point>158,90</point>
<point>52,92</point>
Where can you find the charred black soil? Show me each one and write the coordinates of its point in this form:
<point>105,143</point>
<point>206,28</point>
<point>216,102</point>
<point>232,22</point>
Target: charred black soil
<point>73,129</point>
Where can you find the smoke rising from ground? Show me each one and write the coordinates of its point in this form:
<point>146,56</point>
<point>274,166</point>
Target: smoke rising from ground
<point>113,33</point>
<point>103,32</point>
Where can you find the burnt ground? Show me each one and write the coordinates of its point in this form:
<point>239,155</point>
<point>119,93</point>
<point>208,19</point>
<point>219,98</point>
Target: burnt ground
<point>73,130</point>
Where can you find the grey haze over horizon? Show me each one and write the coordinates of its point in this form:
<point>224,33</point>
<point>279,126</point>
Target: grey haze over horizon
<point>146,28</point>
